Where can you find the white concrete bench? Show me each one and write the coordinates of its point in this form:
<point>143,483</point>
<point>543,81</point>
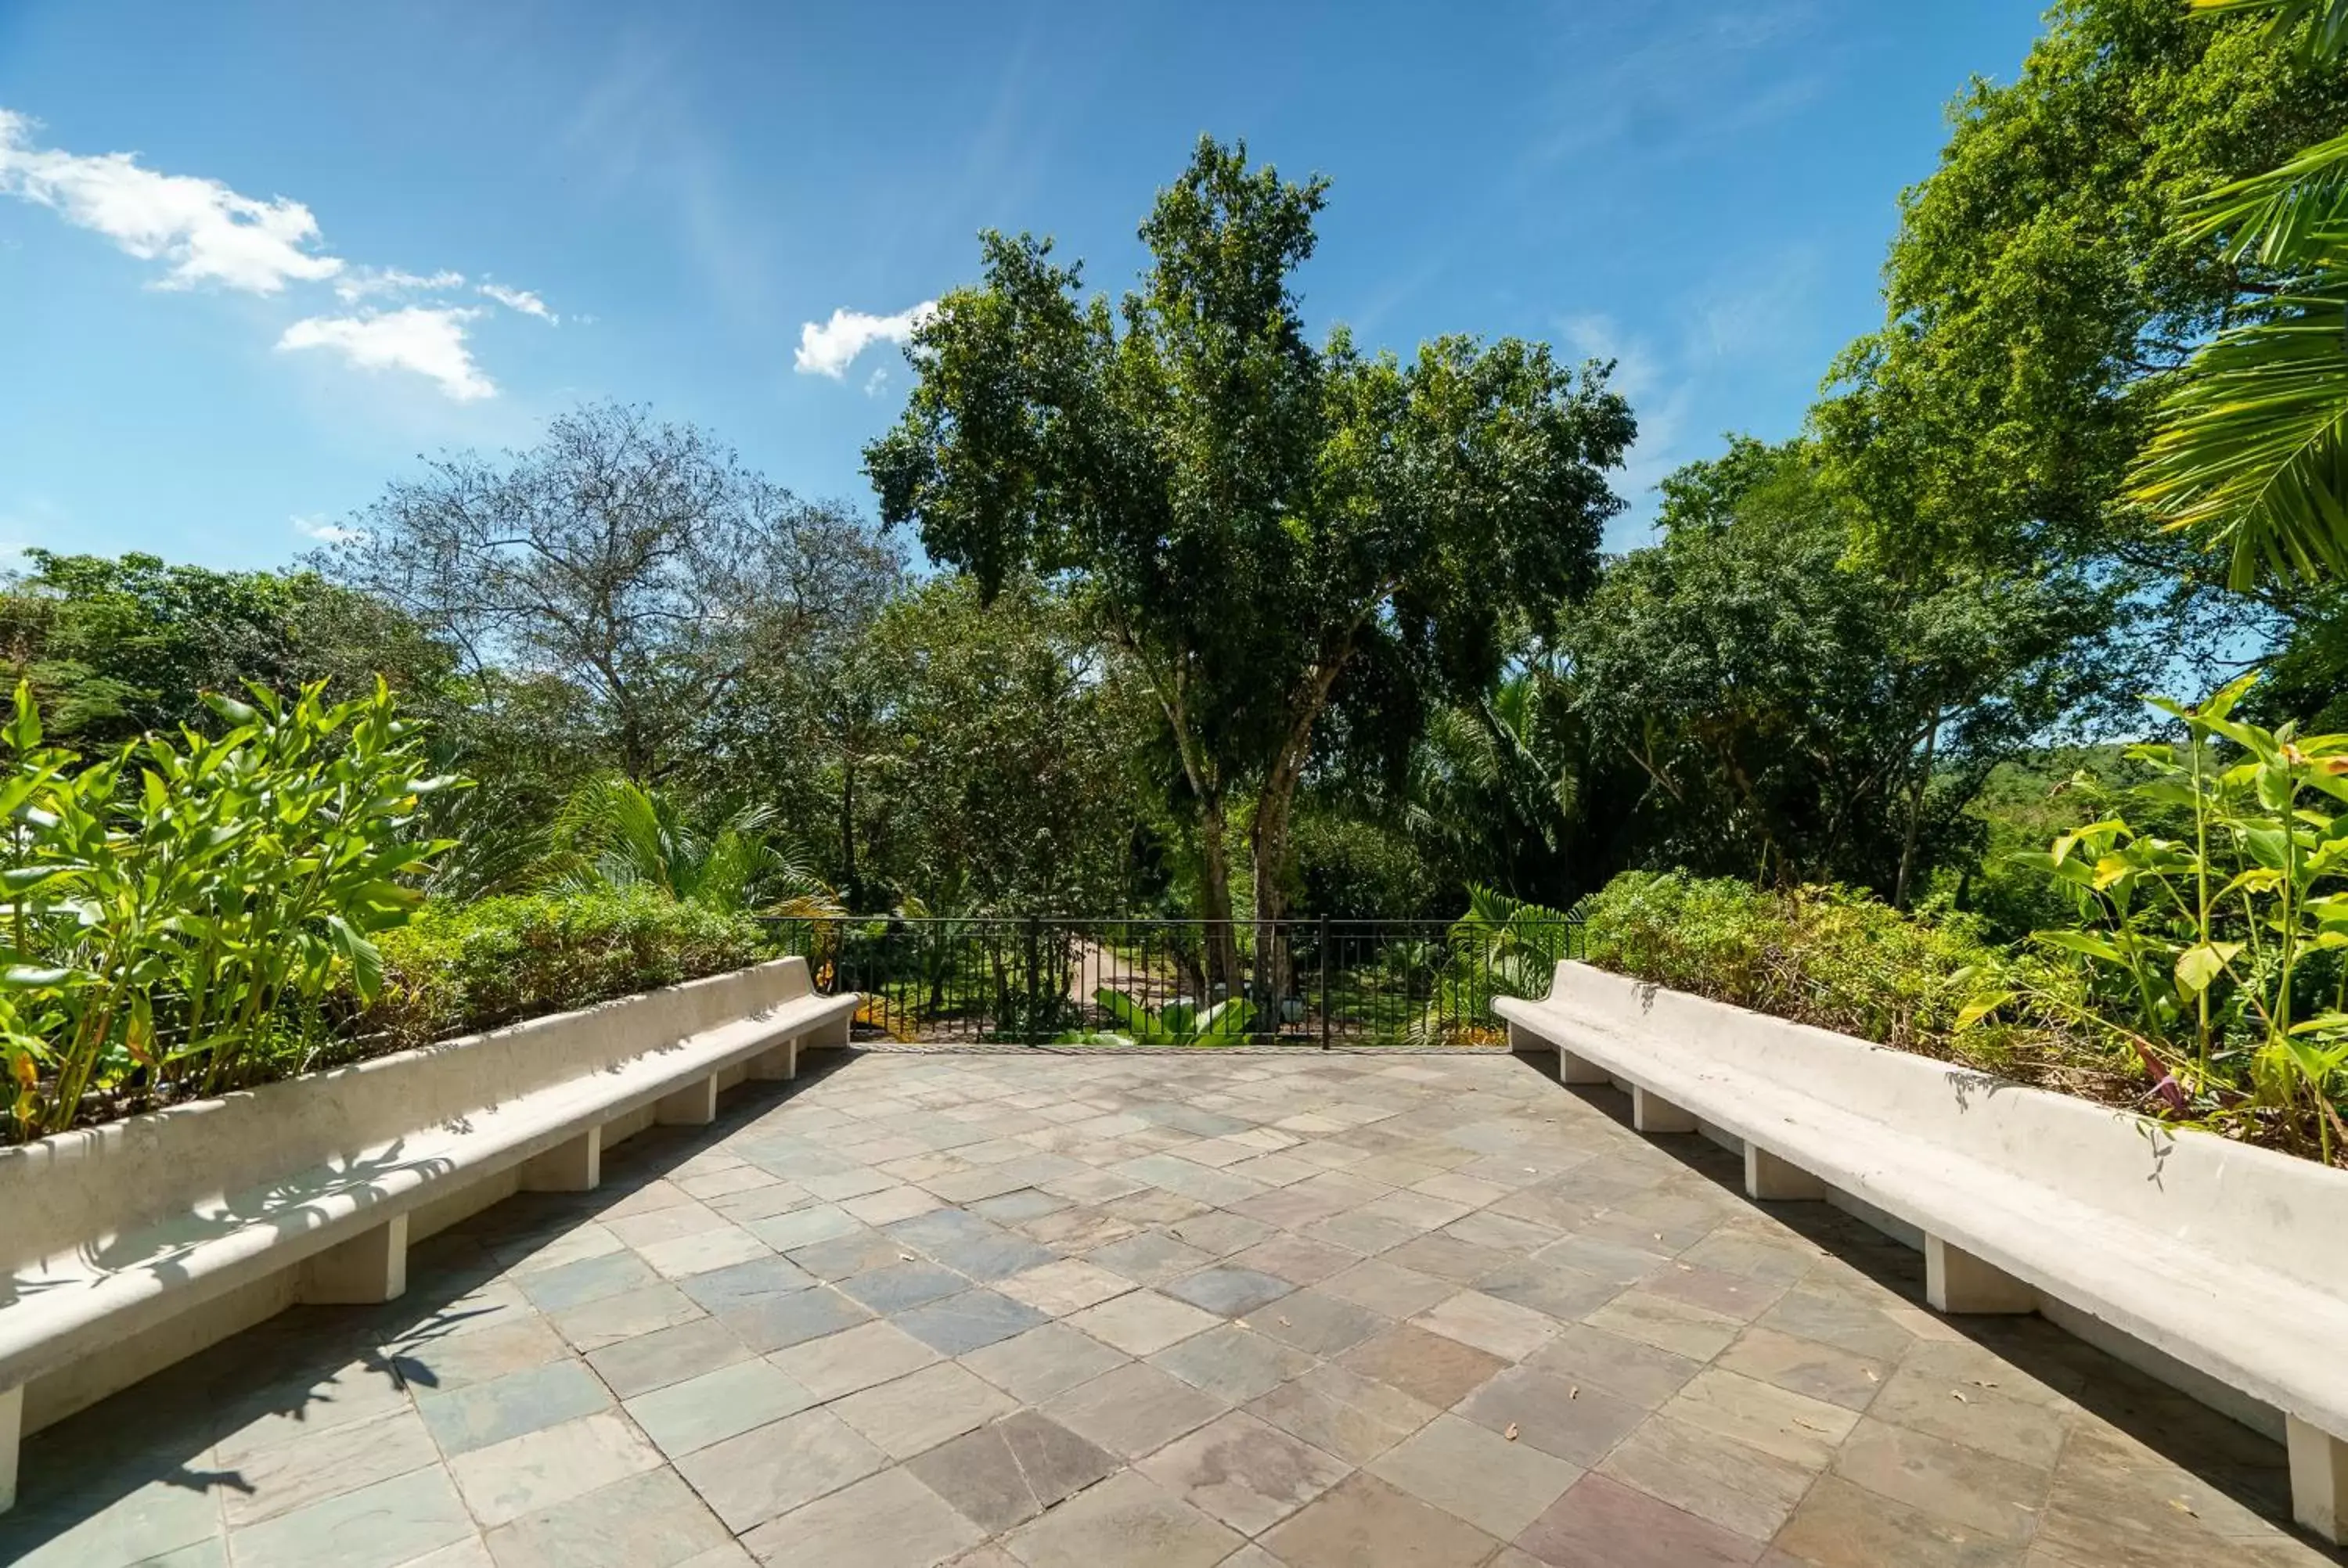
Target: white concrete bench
<point>2230,1264</point>
<point>131,1244</point>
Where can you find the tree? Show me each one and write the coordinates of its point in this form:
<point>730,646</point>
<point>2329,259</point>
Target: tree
<point>1802,717</point>
<point>1250,517</point>
<point>116,647</point>
<point>1010,748</point>
<point>2043,286</point>
<point>639,563</point>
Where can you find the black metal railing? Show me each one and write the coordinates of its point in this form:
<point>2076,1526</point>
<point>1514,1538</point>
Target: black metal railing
<point>1109,981</point>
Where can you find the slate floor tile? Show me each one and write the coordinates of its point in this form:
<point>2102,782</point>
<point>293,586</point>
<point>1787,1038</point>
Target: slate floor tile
<point>374,1527</point>
<point>1366,1520</point>
<point>1495,1484</point>
<point>1141,1321</point>
<point>666,1356</point>
<point>480,1414</point>
<point>1126,1519</point>
<point>899,1286</point>
<point>339,1459</point>
<point>650,1521</point>
<point>1134,1410</point>
<point>699,1411</point>
<point>1313,1321</point>
<point>1573,1422</point>
<point>541,1469</point>
<point>1041,1362</point>
<point>853,1359</point>
<point>1232,1362</point>
<point>1599,1521</point>
<point>745,1284</point>
<point>922,1409</point>
<point>958,1325</point>
<point>570,1284</point>
<point>771,1469</point>
<point>1244,1472</point>
<point>886,1520</point>
<point>1151,1258</point>
<point>1228,1291</point>
<point>1002,1475</point>
<point>1431,1368</point>
<point>773,1322</point>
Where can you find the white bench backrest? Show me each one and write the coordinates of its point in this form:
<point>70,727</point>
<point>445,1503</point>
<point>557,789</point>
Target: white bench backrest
<point>77,1188</point>
<point>2225,1197</point>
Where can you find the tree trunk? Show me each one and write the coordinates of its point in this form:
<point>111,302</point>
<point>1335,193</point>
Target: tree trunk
<point>847,826</point>
<point>1915,817</point>
<point>1268,837</point>
<point>1269,841</point>
<point>1215,878</point>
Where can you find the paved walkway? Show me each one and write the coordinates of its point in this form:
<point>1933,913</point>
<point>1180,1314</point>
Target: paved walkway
<point>1074,1312</point>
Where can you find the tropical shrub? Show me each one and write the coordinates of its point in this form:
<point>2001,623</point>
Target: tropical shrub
<point>461,968</point>
<point>2213,918</point>
<point>180,912</point>
<point>1175,1024</point>
<point>614,833</point>
<point>1827,956</point>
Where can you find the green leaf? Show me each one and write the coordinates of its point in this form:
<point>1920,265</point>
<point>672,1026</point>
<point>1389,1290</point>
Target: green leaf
<point>2199,967</point>
<point>1980,1008</point>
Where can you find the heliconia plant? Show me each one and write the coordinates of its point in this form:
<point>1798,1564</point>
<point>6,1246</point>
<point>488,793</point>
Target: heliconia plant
<point>179,913</point>
<point>2213,923</point>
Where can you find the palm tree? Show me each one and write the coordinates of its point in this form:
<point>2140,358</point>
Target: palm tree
<point>2252,441</point>
<point>616,833</point>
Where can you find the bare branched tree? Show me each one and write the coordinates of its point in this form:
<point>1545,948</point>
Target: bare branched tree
<point>638,562</point>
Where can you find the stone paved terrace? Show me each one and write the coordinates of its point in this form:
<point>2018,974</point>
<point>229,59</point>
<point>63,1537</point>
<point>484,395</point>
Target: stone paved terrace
<point>1075,1311</point>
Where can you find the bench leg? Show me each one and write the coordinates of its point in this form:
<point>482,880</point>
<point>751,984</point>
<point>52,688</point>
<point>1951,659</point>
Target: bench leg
<point>825,1035</point>
<point>1768,1178</point>
<point>12,1433</point>
<point>779,1065</point>
<point>1572,1069</point>
<point>370,1267</point>
<point>694,1105</point>
<point>2319,1480</point>
<point>573,1166</point>
<point>1957,1281</point>
<point>1524,1043</point>
<point>1653,1113</point>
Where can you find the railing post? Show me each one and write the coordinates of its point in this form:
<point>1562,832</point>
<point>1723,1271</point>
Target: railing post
<point>1034,957</point>
<point>1323,943</point>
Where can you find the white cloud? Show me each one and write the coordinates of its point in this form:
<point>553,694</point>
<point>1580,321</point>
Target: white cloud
<point>521,300</point>
<point>829,348</point>
<point>365,282</point>
<point>207,232</point>
<point>314,526</point>
<point>428,340</point>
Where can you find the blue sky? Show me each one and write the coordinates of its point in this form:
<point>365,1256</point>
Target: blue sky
<point>353,234</point>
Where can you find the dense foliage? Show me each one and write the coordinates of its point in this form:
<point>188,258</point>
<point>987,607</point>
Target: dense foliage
<point>181,912</point>
<point>458,967</point>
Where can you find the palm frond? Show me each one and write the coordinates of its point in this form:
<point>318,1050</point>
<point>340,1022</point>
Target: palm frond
<point>2253,442</point>
<point>2293,217</point>
<point>2327,31</point>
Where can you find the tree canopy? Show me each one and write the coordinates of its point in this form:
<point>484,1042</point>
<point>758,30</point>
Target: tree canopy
<point>1250,517</point>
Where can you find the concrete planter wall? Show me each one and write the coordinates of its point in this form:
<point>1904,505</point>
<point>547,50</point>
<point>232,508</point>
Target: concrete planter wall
<point>130,1244</point>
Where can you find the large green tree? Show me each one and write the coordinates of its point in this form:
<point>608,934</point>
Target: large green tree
<point>1008,748</point>
<point>115,647</point>
<point>1251,516</point>
<point>1800,716</point>
<point>2045,281</point>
